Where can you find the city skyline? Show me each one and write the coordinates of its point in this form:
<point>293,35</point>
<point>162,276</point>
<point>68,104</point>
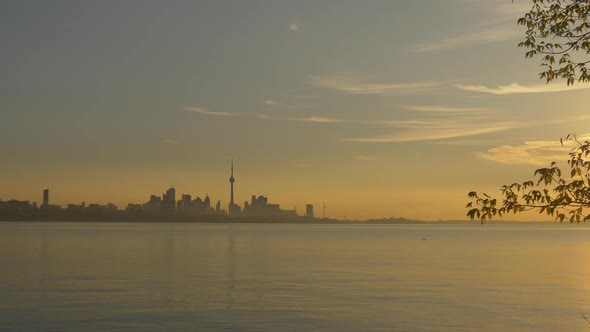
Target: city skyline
<point>168,205</point>
<point>318,101</point>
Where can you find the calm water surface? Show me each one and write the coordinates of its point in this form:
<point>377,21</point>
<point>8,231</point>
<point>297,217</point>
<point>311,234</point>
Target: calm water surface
<point>255,277</point>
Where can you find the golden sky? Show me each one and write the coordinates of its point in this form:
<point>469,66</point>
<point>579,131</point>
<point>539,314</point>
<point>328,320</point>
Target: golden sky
<point>375,108</point>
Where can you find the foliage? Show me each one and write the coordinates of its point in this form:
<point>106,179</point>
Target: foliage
<point>552,192</point>
<point>558,30</point>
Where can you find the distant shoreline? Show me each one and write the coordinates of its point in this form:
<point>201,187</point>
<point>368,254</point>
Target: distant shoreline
<point>213,220</point>
<point>254,220</point>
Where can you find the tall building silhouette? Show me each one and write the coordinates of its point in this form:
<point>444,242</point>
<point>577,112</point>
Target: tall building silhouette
<point>169,201</point>
<point>45,198</point>
<point>309,210</point>
<point>259,207</point>
<point>185,202</point>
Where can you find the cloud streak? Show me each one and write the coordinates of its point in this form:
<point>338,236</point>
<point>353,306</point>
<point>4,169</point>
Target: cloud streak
<point>279,104</point>
<point>206,111</point>
<point>445,109</point>
<point>435,132</point>
<point>440,122</point>
<point>434,123</point>
<point>489,35</point>
<point>516,88</point>
<point>497,25</point>
<point>353,86</point>
<point>535,153</point>
<point>317,119</point>
<point>169,141</point>
<point>431,123</point>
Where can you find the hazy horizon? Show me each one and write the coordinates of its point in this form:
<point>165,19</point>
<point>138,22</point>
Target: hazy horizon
<point>375,108</point>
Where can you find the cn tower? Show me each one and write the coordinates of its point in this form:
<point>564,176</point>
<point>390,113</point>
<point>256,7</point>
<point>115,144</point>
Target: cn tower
<point>231,181</point>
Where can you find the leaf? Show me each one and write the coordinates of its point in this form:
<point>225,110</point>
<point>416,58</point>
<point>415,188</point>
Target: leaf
<point>572,194</point>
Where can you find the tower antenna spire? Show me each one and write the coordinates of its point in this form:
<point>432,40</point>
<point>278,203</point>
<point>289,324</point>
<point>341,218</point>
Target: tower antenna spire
<point>231,207</point>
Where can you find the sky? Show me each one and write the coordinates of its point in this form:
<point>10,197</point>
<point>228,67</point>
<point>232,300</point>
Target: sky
<point>373,108</point>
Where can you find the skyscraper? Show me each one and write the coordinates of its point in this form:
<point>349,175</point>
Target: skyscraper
<point>45,198</point>
<point>169,201</point>
<point>309,211</point>
<point>186,201</point>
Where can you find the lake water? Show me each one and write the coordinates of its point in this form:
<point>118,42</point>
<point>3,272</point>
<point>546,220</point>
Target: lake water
<point>274,277</point>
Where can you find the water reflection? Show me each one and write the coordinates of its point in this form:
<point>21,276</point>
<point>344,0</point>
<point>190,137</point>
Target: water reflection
<point>231,267</point>
<point>153,277</point>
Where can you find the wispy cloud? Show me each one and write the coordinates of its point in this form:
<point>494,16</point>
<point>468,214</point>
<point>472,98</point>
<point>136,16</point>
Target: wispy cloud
<point>429,123</point>
<point>280,104</point>
<point>347,84</point>
<point>485,36</point>
<point>293,26</point>
<point>261,116</point>
<point>498,9</point>
<point>497,25</point>
<point>169,141</point>
<point>436,132</point>
<point>317,119</point>
<point>205,111</point>
<point>487,141</point>
<point>367,158</point>
<point>440,122</point>
<point>536,153</point>
<point>470,142</point>
<point>516,88</point>
<point>444,109</point>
